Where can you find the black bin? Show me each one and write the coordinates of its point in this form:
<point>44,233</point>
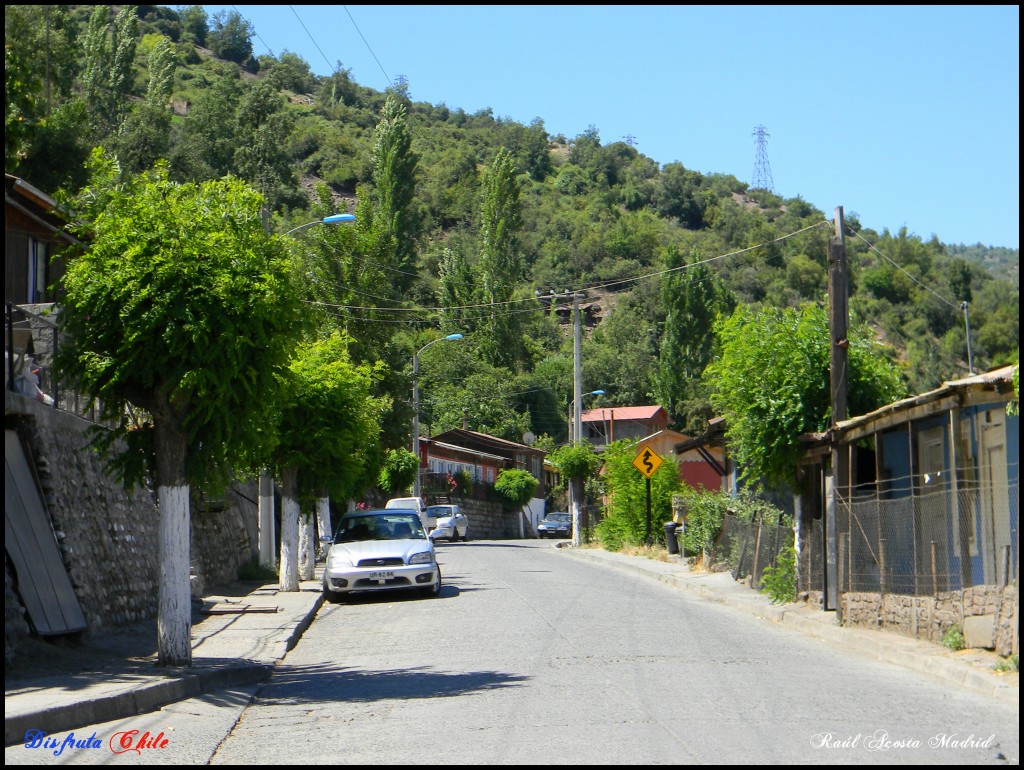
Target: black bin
<point>670,537</point>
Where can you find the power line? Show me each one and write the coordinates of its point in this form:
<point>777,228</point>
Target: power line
<point>903,270</point>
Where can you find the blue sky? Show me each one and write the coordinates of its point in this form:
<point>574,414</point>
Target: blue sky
<point>906,116</point>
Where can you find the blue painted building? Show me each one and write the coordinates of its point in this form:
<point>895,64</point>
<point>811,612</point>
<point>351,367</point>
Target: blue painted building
<point>924,498</point>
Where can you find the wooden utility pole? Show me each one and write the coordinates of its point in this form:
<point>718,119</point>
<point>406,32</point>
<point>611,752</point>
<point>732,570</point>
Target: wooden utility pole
<point>838,296</point>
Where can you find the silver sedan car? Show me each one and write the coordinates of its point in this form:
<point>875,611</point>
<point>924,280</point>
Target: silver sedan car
<point>380,550</point>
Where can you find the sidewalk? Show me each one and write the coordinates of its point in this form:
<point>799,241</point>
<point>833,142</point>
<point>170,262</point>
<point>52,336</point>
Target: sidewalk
<point>239,637</point>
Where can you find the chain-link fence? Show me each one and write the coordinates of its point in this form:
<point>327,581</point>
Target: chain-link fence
<point>932,542</point>
<point>920,544</point>
<point>749,548</point>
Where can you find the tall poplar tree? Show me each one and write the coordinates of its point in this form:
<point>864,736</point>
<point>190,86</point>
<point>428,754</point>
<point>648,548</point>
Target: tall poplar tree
<point>394,178</point>
<point>692,298</point>
<point>501,261</point>
<point>110,66</point>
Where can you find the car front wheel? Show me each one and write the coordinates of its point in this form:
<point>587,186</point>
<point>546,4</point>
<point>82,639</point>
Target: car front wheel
<point>434,590</point>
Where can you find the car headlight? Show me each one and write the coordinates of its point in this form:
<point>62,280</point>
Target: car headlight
<point>337,559</point>
<point>423,557</point>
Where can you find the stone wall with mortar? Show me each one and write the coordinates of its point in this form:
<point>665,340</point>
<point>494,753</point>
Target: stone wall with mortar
<point>107,536</point>
<point>988,610</point>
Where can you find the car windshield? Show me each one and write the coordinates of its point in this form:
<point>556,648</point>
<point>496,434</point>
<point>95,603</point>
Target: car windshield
<point>439,511</point>
<point>558,518</point>
<point>396,526</point>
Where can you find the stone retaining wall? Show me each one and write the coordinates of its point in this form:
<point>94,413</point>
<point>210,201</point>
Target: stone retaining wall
<point>107,536</point>
<point>984,613</point>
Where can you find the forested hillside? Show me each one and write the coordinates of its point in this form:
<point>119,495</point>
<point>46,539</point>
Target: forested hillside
<point>465,218</point>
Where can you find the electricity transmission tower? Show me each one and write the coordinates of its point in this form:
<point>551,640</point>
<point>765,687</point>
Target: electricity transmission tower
<point>762,171</point>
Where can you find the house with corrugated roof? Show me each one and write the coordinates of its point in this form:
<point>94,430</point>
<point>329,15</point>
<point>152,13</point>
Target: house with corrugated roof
<point>601,426</point>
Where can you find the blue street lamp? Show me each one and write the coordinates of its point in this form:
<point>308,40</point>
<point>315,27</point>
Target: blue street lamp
<point>333,219</point>
<point>416,406</point>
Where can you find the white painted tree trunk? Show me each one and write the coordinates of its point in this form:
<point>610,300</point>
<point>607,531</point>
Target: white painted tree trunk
<point>307,547</point>
<point>174,619</point>
<point>323,517</point>
<point>289,571</point>
<point>575,506</point>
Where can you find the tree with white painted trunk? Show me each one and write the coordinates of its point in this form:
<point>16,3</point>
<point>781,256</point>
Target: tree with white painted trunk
<point>328,439</point>
<point>178,315</point>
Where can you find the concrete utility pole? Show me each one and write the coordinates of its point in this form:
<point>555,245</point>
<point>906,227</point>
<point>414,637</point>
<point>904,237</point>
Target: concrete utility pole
<point>838,294</point>
<point>577,372</point>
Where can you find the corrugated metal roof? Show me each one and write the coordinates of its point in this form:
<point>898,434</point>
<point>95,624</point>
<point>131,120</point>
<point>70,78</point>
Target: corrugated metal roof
<point>621,413</point>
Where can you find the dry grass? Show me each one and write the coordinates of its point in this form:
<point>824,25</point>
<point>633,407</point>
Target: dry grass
<point>654,552</point>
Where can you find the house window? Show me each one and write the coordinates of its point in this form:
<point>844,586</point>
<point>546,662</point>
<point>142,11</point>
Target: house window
<point>36,271</point>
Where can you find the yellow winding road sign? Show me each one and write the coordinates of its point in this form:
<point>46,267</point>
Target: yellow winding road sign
<point>647,461</point>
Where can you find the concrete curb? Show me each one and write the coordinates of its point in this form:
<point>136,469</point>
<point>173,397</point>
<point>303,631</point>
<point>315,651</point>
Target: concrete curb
<point>140,693</point>
<point>140,699</point>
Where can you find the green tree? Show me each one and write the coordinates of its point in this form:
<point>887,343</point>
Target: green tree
<point>577,463</point>
<point>501,265</point>
<point>110,67</point>
<point>394,177</point>
<point>231,37</point>
<point>210,133</point>
<point>692,300</point>
<point>146,134</point>
<point>515,486</point>
<point>625,521</point>
<point>771,383</point>
<point>263,128</point>
<point>183,308</point>
<point>41,59</point>
<point>195,24</point>
<point>328,438</point>
<point>398,471</point>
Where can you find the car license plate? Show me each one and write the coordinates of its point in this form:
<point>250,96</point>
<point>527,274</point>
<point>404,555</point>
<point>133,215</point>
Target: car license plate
<point>382,575</point>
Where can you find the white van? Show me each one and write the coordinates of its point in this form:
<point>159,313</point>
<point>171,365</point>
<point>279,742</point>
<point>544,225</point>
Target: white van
<point>413,504</point>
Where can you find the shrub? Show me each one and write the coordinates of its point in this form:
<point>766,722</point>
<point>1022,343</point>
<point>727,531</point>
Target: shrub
<point>779,581</point>
<point>515,487</point>
<point>954,638</point>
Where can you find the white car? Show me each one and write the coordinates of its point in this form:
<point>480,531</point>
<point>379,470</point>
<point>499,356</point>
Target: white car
<point>450,523</point>
<point>416,504</point>
<point>380,550</point>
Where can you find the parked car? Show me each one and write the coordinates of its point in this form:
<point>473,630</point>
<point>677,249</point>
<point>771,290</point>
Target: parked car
<point>450,523</point>
<point>417,505</point>
<point>557,524</point>
<point>380,550</point>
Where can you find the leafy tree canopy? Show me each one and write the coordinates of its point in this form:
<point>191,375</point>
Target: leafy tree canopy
<point>771,383</point>
<point>183,307</point>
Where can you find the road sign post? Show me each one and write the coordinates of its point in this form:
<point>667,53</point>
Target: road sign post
<point>647,461</point>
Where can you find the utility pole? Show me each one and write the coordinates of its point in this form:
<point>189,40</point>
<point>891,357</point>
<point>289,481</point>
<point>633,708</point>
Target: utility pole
<point>267,523</point>
<point>577,371</point>
<point>838,294</point>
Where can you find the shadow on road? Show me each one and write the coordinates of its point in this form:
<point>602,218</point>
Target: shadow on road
<point>302,684</point>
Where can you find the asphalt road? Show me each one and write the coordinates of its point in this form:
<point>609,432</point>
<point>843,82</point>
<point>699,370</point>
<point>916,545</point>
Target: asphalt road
<point>530,656</point>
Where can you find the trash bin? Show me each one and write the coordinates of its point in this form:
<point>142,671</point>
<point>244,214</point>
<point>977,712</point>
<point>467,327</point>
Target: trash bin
<point>670,537</point>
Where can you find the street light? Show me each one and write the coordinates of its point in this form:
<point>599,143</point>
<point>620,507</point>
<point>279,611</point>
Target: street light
<point>416,406</point>
<point>267,536</point>
<point>578,418</point>
<point>333,219</point>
